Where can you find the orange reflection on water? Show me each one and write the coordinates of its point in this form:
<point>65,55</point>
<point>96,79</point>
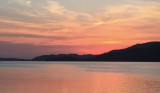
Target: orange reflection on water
<point>72,79</point>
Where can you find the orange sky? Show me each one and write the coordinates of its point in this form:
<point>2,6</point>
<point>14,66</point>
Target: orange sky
<point>78,26</point>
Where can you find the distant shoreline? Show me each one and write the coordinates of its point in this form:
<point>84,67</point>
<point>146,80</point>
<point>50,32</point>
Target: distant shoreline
<point>146,52</point>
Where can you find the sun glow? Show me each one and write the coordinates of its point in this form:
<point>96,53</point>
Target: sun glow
<point>112,42</point>
<point>99,23</point>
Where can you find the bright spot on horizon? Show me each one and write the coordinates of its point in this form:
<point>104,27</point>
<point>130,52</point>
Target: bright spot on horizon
<point>99,23</point>
<point>112,42</point>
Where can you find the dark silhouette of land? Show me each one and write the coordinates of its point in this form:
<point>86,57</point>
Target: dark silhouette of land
<point>64,57</point>
<point>146,52</point>
<point>13,59</point>
<point>140,52</point>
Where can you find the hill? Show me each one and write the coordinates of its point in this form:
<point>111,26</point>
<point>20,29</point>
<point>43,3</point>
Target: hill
<point>63,57</point>
<point>140,52</point>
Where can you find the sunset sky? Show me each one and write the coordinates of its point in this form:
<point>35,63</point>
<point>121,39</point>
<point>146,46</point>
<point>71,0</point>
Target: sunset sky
<point>30,28</point>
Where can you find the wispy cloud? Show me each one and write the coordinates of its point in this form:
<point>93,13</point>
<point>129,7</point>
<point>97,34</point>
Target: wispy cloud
<point>21,2</point>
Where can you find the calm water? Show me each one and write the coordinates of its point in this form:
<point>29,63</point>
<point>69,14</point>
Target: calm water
<point>79,77</point>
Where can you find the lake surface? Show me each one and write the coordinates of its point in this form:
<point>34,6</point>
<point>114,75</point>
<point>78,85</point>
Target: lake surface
<point>79,77</point>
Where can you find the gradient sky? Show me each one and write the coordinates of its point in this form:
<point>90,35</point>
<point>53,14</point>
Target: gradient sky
<point>30,28</point>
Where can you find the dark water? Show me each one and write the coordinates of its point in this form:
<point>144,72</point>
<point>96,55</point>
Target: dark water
<point>79,77</point>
